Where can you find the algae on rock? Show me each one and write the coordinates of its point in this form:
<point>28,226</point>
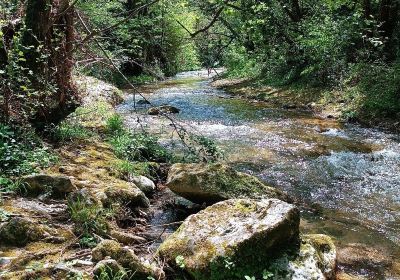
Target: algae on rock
<point>210,183</point>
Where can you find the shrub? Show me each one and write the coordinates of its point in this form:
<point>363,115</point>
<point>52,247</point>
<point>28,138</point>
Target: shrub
<point>22,152</point>
<point>138,147</point>
<point>114,124</point>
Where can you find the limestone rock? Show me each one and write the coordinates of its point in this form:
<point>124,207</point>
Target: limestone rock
<point>56,186</point>
<point>20,231</point>
<point>210,183</point>
<point>144,184</point>
<point>315,260</point>
<point>124,194</point>
<point>164,109</point>
<point>243,232</point>
<point>126,258</point>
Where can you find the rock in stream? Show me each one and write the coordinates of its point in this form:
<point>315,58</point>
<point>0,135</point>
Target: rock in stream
<point>210,183</point>
<point>245,237</point>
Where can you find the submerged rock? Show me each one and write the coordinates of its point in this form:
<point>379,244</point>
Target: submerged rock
<point>144,184</point>
<point>363,258</point>
<point>164,109</point>
<point>210,183</point>
<point>126,258</point>
<point>20,231</point>
<point>55,186</point>
<point>237,235</point>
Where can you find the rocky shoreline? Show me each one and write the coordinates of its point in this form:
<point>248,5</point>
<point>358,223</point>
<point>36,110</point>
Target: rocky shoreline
<point>232,226</point>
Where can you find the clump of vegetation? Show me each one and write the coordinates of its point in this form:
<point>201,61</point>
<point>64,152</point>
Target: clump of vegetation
<point>70,131</point>
<point>22,152</point>
<point>89,219</point>
<point>138,147</point>
<point>114,124</point>
<point>124,169</point>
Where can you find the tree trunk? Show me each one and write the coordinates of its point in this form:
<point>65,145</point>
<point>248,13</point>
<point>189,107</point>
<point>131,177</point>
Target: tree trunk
<point>49,37</point>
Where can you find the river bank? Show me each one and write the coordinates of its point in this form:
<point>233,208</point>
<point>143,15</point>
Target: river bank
<point>334,170</point>
<point>92,164</point>
<point>328,104</point>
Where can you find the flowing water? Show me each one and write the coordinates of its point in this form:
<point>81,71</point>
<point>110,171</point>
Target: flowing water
<point>347,178</point>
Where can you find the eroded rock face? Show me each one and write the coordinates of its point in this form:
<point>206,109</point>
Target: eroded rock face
<point>314,260</point>
<point>20,231</point>
<point>210,183</point>
<point>231,237</point>
<point>126,258</point>
<point>164,109</point>
<point>55,186</point>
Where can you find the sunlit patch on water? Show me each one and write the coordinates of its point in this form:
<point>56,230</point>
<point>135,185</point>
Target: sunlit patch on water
<point>352,173</point>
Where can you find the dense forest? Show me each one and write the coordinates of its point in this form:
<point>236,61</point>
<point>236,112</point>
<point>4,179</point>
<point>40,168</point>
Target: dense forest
<point>67,65</point>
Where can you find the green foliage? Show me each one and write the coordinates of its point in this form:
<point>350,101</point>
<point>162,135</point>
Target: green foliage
<point>240,64</point>
<point>108,274</point>
<point>88,219</point>
<point>70,131</point>
<point>180,261</point>
<point>114,124</point>
<point>138,147</point>
<point>22,152</point>
<point>124,169</point>
<point>379,90</point>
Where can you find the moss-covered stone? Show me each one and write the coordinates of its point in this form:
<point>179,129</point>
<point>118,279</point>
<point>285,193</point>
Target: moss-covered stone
<point>20,231</point>
<point>210,183</point>
<point>125,194</point>
<point>43,184</point>
<point>241,231</point>
<point>164,109</point>
<point>126,258</point>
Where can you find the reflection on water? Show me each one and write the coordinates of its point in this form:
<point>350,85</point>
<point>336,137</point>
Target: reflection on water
<point>351,173</point>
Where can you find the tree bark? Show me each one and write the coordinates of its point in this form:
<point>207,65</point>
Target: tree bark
<point>48,38</point>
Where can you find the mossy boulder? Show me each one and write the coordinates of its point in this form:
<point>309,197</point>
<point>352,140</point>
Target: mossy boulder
<point>43,184</point>
<point>164,109</point>
<point>124,194</point>
<point>210,183</point>
<point>243,233</point>
<point>20,231</point>
<point>126,258</point>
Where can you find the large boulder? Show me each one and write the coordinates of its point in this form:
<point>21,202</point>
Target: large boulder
<point>43,184</point>
<point>20,231</point>
<point>210,183</point>
<point>233,238</point>
<point>127,259</point>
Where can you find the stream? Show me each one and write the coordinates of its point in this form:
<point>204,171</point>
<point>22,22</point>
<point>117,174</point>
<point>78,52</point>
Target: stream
<point>345,177</point>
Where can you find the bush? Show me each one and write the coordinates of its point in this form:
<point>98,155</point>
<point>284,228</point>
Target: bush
<point>124,169</point>
<point>114,124</point>
<point>138,147</point>
<point>380,90</point>
<point>22,152</point>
